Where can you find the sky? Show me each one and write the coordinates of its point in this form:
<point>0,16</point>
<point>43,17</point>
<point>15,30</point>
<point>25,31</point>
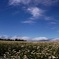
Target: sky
<point>29,18</point>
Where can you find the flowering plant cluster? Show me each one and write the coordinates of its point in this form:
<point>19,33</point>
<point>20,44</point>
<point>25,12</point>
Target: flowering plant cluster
<point>29,50</point>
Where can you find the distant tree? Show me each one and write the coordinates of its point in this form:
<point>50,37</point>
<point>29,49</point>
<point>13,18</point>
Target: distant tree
<point>11,39</point>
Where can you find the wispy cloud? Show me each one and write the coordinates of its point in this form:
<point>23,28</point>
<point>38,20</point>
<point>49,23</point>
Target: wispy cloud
<point>18,2</point>
<point>47,2</point>
<point>14,2</point>
<point>33,10</point>
<point>27,38</point>
<point>15,37</point>
<point>35,2</point>
<point>23,37</point>
<point>19,37</point>
<point>37,13</point>
<point>40,38</point>
<point>28,21</point>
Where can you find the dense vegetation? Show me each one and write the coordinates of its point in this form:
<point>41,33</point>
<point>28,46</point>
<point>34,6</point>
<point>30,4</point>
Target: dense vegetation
<point>29,50</point>
<point>12,39</point>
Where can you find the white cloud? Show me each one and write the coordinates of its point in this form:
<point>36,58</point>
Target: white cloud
<point>25,38</point>
<point>33,2</point>
<point>46,2</point>
<point>40,38</point>
<point>35,11</point>
<point>28,21</point>
<point>15,37</point>
<point>14,2</point>
<point>17,2</point>
<point>20,37</point>
<point>29,38</point>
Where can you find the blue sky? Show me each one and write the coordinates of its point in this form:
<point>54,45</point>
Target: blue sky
<point>29,18</point>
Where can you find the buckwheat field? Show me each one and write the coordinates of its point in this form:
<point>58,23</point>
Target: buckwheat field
<point>29,50</point>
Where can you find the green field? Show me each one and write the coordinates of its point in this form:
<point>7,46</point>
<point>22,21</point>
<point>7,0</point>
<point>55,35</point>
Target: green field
<point>29,50</point>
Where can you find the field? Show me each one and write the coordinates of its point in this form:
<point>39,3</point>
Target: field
<point>29,50</point>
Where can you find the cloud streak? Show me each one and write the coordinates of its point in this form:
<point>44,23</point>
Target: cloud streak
<point>14,2</point>
<point>35,13</point>
<point>23,37</point>
<point>18,2</point>
<point>33,2</point>
<point>33,10</point>
<point>28,21</point>
<point>40,38</point>
<point>47,2</point>
<point>27,38</point>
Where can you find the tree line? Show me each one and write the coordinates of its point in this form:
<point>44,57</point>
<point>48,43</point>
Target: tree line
<point>12,39</point>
